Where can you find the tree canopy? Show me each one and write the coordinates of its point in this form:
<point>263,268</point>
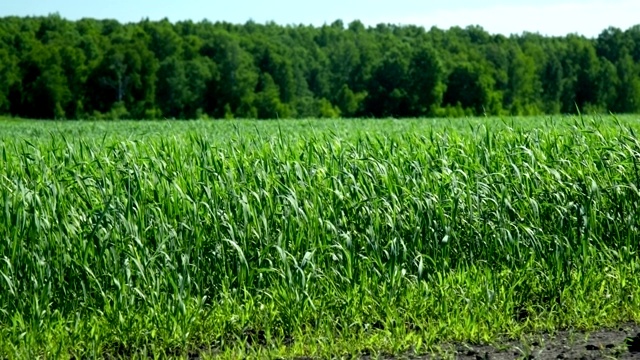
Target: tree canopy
<point>54,68</point>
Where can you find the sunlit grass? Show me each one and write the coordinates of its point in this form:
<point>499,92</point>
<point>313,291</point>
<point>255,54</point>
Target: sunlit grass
<point>312,237</point>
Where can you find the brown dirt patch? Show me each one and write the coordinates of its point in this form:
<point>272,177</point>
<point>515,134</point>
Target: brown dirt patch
<point>622,342</point>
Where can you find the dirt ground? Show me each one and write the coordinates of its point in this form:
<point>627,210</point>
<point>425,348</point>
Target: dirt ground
<point>622,342</point>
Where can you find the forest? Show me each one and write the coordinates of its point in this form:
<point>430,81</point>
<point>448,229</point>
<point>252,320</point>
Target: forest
<point>53,68</point>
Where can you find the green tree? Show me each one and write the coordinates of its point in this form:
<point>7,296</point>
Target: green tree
<point>163,41</point>
<point>173,88</point>
<point>612,44</point>
<point>388,89</point>
<point>551,82</point>
<point>348,102</point>
<point>102,68</point>
<point>126,76</point>
<point>628,89</point>
<point>523,91</point>
<point>426,76</point>
<point>267,102</point>
<point>581,67</point>
<point>469,87</point>
<point>238,77</point>
<point>9,77</point>
<point>45,92</point>
<point>608,84</point>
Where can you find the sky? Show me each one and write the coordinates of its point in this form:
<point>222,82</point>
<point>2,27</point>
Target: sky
<point>547,17</point>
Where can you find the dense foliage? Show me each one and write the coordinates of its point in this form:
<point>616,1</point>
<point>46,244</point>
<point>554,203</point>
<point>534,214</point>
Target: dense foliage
<point>54,68</point>
<point>161,237</point>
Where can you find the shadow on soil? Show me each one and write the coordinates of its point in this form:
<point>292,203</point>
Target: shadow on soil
<point>619,343</point>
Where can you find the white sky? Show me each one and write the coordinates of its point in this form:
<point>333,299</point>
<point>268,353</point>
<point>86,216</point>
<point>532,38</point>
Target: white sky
<point>587,17</point>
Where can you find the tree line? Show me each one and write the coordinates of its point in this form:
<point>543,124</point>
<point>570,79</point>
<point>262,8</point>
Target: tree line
<point>55,68</point>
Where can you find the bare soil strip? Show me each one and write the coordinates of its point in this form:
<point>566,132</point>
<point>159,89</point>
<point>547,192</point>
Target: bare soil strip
<point>622,342</point>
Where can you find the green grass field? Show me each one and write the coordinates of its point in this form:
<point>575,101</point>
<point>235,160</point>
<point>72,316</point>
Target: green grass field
<point>312,238</point>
